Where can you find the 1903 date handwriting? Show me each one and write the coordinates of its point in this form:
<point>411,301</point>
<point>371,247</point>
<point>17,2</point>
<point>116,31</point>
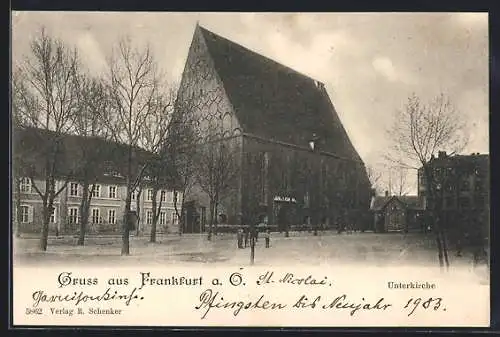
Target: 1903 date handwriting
<point>214,300</point>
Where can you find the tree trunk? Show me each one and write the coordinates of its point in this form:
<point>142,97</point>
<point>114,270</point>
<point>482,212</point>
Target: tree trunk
<point>138,207</point>
<point>126,213</point>
<point>181,221</point>
<point>445,250</point>
<point>216,217</point>
<point>252,244</point>
<point>210,225</point>
<point>84,212</point>
<point>44,238</point>
<point>126,228</point>
<point>155,216</point>
<point>433,214</point>
<point>84,220</point>
<point>180,215</point>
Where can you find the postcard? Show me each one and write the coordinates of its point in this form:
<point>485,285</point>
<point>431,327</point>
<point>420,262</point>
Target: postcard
<point>250,169</point>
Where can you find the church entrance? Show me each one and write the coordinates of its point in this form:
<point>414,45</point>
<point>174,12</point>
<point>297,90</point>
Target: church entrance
<point>284,214</point>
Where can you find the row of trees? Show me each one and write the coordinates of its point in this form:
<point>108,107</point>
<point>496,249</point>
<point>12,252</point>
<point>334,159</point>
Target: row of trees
<point>131,105</point>
<point>390,178</point>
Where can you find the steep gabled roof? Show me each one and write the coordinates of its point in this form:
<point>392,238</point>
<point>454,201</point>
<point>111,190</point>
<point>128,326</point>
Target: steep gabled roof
<point>275,102</point>
<point>379,202</point>
<point>410,201</point>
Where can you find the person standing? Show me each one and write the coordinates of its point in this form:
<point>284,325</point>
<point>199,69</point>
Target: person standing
<point>267,237</point>
<point>239,236</point>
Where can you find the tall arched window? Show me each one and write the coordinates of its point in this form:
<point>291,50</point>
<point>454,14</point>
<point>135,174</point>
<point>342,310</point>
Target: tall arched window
<point>227,121</point>
<point>264,177</point>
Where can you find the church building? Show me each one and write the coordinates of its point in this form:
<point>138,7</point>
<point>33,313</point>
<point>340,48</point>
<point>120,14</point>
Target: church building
<point>294,163</point>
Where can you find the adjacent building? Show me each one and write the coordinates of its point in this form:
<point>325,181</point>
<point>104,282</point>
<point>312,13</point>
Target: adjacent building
<point>296,163</point>
<point>461,189</point>
<point>397,214</point>
<point>108,192</point>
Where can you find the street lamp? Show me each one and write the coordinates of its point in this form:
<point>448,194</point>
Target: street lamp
<point>313,145</point>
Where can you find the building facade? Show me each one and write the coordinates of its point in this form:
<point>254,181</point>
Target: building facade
<point>461,189</point>
<point>107,202</point>
<point>295,162</point>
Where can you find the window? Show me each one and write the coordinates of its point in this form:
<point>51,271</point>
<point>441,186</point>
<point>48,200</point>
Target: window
<point>480,202</point>
<point>24,216</point>
<point>97,191</point>
<point>53,215</point>
<point>25,185</point>
<point>112,216</point>
<point>112,192</point>
<point>73,215</point>
<point>264,174</point>
<point>132,196</point>
<point>96,216</point>
<point>73,189</point>
<point>421,178</point>
<point>163,196</point>
<point>306,199</point>
<point>449,187</point>
<point>149,196</point>
<point>465,185</point>
<point>149,217</point>
<point>175,219</point>
<point>163,218</point>
<point>464,202</point>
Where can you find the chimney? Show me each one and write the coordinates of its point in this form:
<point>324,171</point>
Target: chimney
<point>442,154</point>
<point>386,193</point>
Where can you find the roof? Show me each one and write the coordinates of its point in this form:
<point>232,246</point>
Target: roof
<point>410,201</point>
<point>107,159</point>
<point>275,102</point>
<point>473,161</point>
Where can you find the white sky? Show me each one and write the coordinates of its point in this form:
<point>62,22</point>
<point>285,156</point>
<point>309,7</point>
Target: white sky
<point>369,62</point>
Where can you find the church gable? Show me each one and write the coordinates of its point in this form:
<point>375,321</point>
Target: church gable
<point>202,100</point>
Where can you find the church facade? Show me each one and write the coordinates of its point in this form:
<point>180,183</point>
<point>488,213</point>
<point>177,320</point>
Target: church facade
<point>294,164</point>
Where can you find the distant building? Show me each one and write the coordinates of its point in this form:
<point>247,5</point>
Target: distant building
<point>109,192</point>
<point>397,214</point>
<point>298,165</point>
<point>462,185</point>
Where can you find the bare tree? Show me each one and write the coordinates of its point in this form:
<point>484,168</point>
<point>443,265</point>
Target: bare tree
<point>133,80</point>
<point>153,139</point>
<point>216,168</point>
<point>375,176</point>
<point>197,124</point>
<point>45,99</point>
<point>401,181</point>
<point>183,138</point>
<point>93,104</point>
<point>24,113</point>
<point>396,180</point>
<point>418,132</point>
